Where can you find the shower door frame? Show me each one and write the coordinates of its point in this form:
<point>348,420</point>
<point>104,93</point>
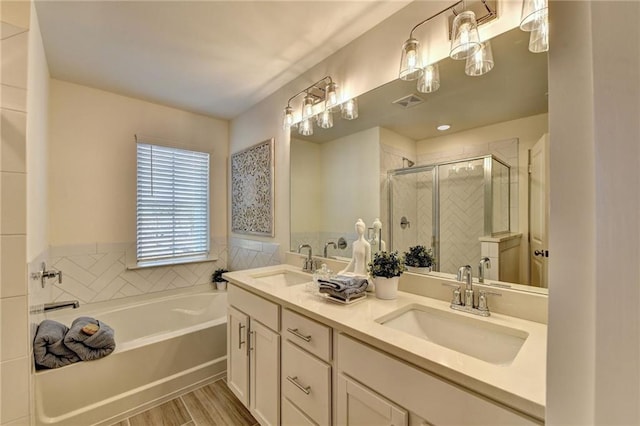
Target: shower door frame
<point>435,169</point>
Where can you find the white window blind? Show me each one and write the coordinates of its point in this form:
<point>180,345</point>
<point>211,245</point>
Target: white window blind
<point>172,203</point>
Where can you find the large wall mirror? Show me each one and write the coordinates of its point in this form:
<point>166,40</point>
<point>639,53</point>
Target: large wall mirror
<point>475,190</point>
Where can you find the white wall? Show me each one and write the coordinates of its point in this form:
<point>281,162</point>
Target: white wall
<point>593,351</point>
<point>93,161</point>
<point>307,191</point>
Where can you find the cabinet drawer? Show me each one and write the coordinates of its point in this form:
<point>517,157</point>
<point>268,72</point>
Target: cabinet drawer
<point>255,306</point>
<point>407,386</point>
<point>292,416</point>
<point>308,334</point>
<point>306,381</point>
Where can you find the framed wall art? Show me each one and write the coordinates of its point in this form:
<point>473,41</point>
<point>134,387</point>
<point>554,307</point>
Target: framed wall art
<point>252,198</point>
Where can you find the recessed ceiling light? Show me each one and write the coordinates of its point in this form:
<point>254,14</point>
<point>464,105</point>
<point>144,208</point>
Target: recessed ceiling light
<point>443,127</point>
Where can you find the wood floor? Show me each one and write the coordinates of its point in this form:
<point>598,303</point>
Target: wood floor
<point>211,405</point>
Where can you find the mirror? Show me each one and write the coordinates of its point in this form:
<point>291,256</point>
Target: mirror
<point>393,164</point>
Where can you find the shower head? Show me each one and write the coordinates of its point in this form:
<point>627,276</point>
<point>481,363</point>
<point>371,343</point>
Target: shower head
<point>408,162</point>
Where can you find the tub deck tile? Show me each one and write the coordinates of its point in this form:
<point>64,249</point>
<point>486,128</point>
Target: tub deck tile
<point>172,413</point>
<point>214,405</point>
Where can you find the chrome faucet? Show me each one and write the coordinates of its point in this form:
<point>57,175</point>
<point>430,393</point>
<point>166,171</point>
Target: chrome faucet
<point>464,274</point>
<point>466,304</point>
<point>54,306</point>
<point>329,243</point>
<point>309,265</point>
<point>485,263</point>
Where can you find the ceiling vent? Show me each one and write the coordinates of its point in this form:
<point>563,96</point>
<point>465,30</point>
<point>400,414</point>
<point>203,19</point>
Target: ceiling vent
<point>409,101</point>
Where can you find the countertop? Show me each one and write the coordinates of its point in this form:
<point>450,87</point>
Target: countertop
<point>520,385</point>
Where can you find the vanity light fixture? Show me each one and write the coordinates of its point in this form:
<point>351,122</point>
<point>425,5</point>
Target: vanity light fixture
<point>429,81</point>
<point>350,109</point>
<point>323,92</point>
<point>480,62</point>
<point>532,13</point>
<point>539,38</point>
<point>465,42</point>
<point>535,19</point>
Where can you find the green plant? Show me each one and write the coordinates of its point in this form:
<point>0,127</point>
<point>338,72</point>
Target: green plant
<point>217,275</point>
<point>387,265</point>
<point>419,257</point>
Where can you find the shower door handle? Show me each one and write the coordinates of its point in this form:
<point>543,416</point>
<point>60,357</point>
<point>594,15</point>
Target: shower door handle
<point>240,342</point>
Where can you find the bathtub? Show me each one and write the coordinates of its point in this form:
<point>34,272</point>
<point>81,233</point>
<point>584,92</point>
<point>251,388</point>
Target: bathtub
<point>165,345</point>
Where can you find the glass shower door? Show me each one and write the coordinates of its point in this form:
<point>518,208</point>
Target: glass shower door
<point>411,195</point>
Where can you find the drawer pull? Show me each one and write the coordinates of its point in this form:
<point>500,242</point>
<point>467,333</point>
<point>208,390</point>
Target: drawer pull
<point>240,342</point>
<point>296,333</point>
<point>294,380</point>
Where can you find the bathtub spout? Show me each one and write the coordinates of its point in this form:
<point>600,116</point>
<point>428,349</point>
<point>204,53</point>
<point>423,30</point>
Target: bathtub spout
<point>61,305</point>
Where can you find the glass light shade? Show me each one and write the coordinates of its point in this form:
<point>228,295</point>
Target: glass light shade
<point>539,38</point>
<point>430,79</point>
<point>325,119</point>
<point>331,95</point>
<point>305,127</point>
<point>350,109</point>
<point>287,120</point>
<point>307,106</point>
<point>480,62</point>
<point>410,62</point>
<point>465,40</point>
<point>532,13</point>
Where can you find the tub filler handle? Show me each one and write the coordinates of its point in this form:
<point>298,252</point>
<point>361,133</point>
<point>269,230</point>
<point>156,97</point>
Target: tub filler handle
<point>240,342</point>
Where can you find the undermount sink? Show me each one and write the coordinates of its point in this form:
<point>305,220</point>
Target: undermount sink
<point>480,339</point>
<point>283,278</point>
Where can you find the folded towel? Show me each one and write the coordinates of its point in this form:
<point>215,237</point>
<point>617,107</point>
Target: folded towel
<point>88,343</point>
<point>342,282</point>
<point>343,287</point>
<point>49,350</point>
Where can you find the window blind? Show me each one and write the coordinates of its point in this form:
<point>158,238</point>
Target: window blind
<point>172,203</point>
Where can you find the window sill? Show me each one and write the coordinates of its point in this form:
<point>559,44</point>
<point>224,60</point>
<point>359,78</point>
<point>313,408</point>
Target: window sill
<point>171,262</point>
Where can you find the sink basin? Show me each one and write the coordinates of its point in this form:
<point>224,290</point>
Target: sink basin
<point>483,340</point>
<point>283,277</point>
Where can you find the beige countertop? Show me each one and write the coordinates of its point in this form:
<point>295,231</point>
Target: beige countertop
<point>520,385</point>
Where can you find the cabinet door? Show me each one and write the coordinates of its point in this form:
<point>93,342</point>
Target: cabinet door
<point>237,354</point>
<point>264,369</point>
<point>358,405</point>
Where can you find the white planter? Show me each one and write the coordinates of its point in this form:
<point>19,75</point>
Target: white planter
<point>386,288</point>
<point>221,285</point>
<point>419,269</point>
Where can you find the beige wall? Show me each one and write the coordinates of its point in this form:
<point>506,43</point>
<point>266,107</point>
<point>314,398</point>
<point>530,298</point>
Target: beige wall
<point>92,173</point>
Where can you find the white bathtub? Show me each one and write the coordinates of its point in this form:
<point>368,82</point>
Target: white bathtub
<point>164,346</point>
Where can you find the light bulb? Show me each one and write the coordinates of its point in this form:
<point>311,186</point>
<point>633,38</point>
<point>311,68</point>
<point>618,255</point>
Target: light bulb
<point>410,62</point>
<point>430,80</point>
<point>307,106</point>
<point>465,40</point>
<point>325,119</point>
<point>331,93</point>
<point>350,109</point>
<point>287,120</point>
<point>305,128</point>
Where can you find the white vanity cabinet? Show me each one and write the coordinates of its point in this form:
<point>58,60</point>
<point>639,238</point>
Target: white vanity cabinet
<point>306,371</point>
<point>375,384</point>
<point>253,348</point>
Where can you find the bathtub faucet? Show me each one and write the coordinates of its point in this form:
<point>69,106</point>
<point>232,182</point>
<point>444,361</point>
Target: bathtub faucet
<point>54,306</point>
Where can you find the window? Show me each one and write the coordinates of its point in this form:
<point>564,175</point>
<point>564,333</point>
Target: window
<point>172,204</point>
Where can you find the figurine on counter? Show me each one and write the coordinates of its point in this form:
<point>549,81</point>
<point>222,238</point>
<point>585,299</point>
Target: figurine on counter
<point>361,253</point>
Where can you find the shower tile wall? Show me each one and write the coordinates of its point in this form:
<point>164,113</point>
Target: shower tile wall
<point>98,272</point>
<point>15,361</point>
<point>461,215</point>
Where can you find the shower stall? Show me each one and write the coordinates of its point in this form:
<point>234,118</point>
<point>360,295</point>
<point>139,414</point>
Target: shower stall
<point>449,207</point>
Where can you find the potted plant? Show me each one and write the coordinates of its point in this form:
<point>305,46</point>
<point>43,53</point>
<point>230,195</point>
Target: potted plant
<point>419,259</point>
<point>221,283</point>
<point>386,268</point>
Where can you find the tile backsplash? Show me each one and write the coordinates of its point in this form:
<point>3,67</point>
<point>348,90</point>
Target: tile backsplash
<point>98,272</point>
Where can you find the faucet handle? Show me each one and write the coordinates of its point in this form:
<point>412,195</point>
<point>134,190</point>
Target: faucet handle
<point>482,299</point>
<point>456,299</point>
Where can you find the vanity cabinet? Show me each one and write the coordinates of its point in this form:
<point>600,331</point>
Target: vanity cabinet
<point>306,370</point>
<point>370,377</point>
<point>253,348</point>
